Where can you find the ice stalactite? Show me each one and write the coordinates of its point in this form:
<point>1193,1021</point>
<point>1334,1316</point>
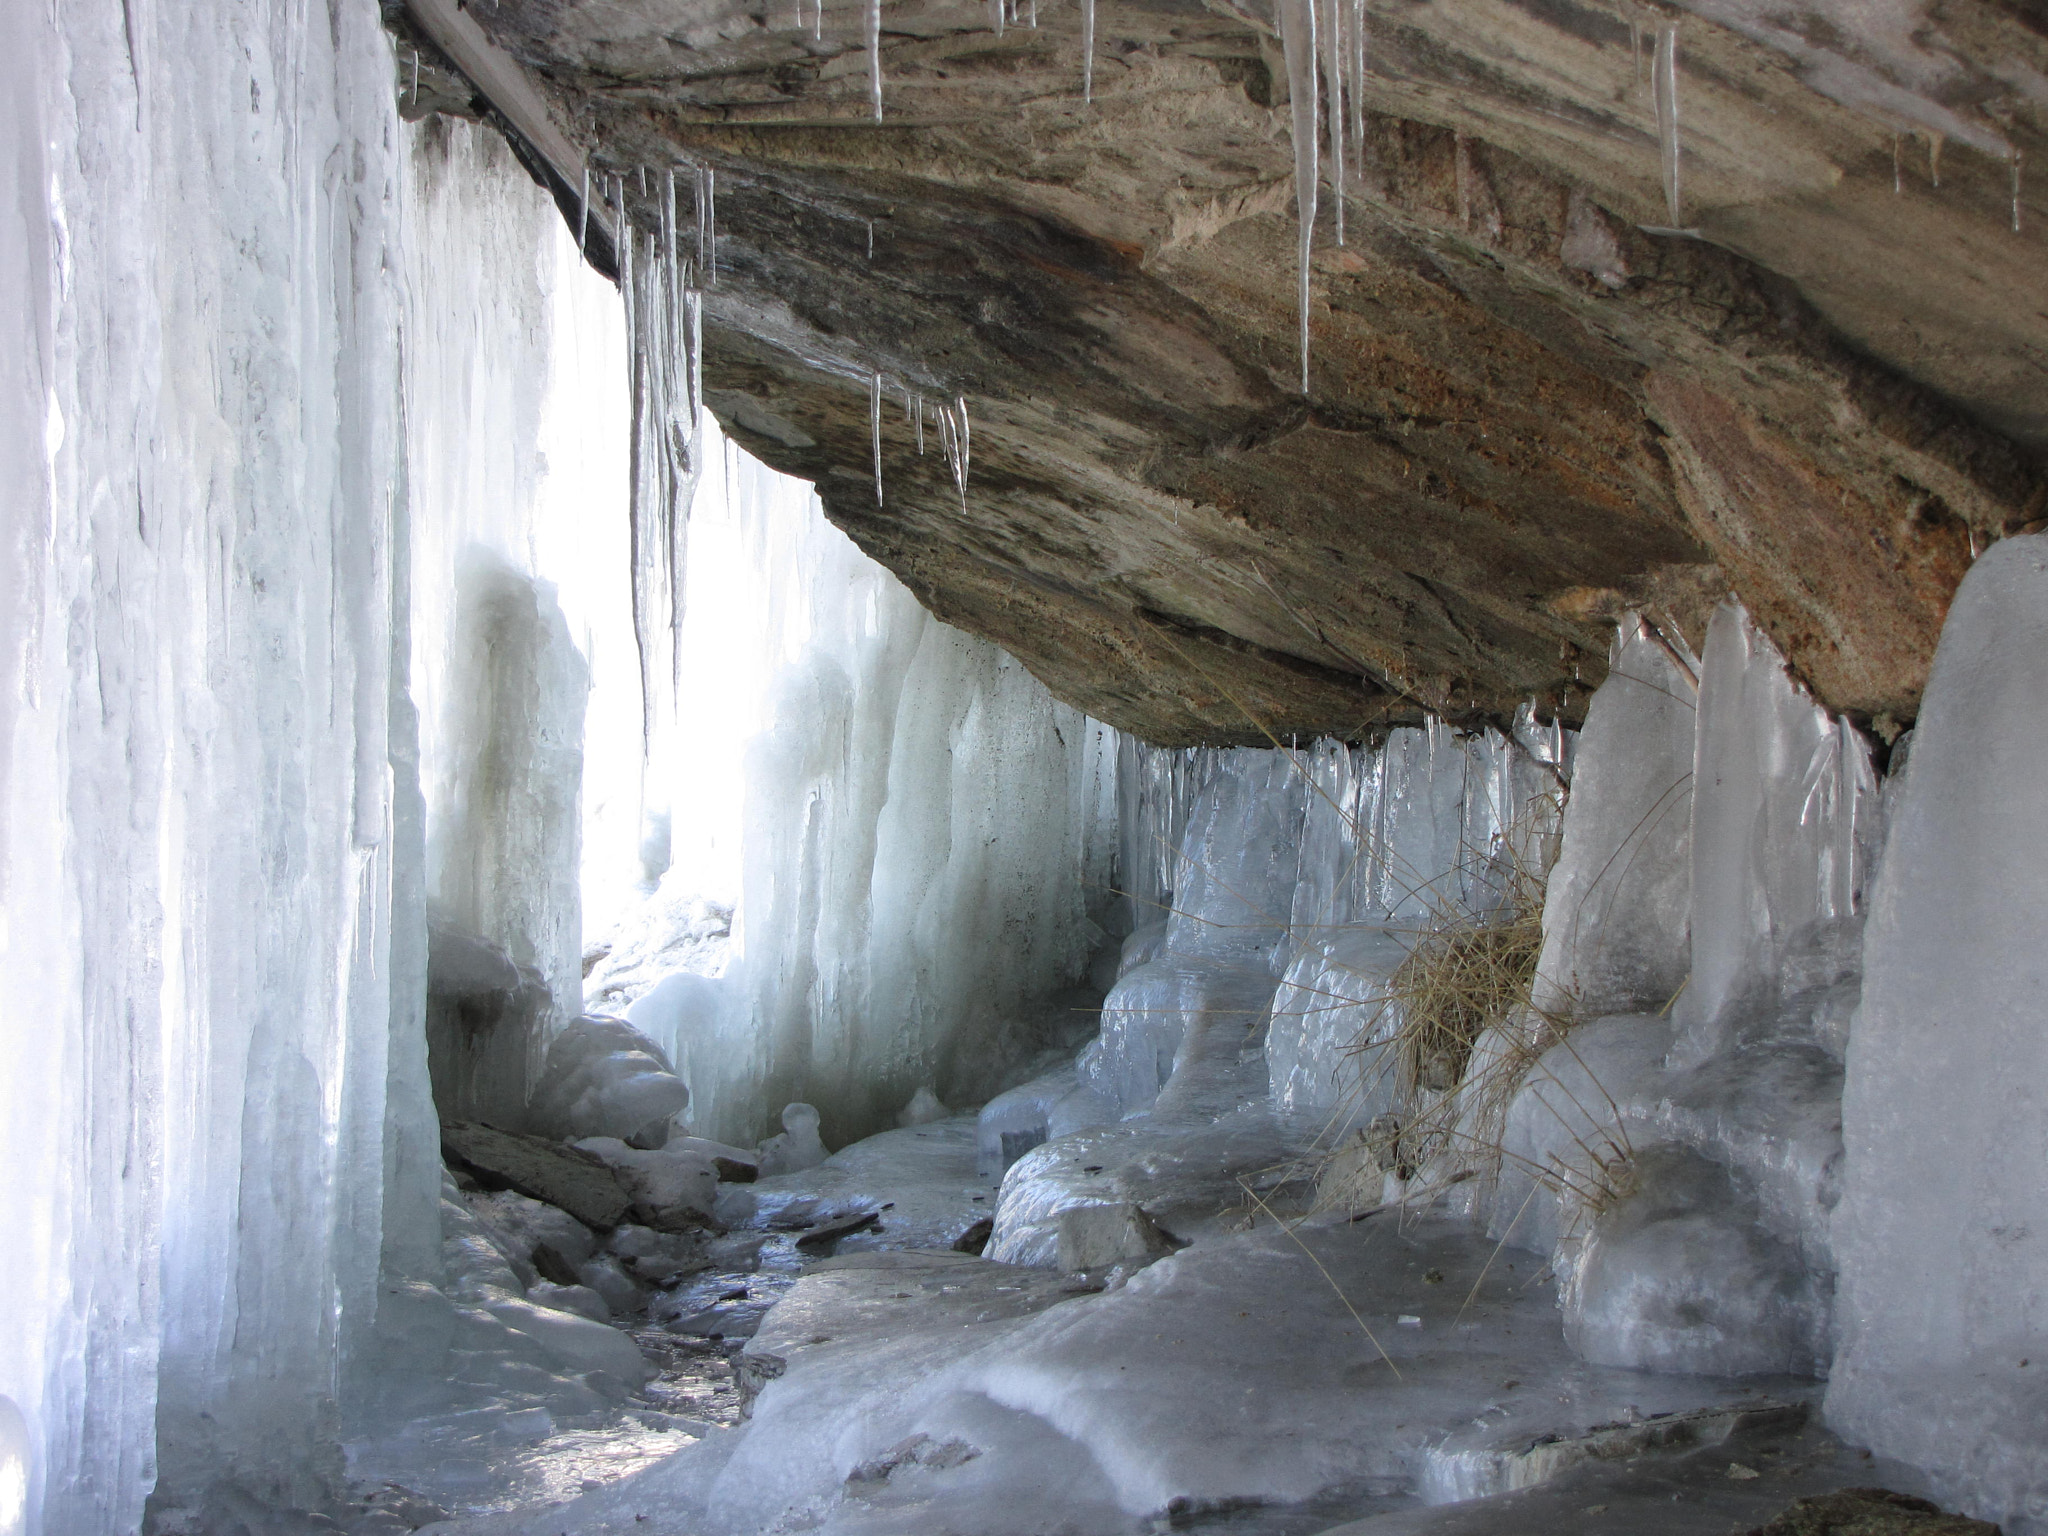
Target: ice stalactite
<point>1087,50</point>
<point>1298,44</point>
<point>1664,91</point>
<point>875,429</point>
<point>659,290</point>
<point>1355,61</point>
<point>2015,191</point>
<point>954,442</point>
<point>1330,33</point>
<point>996,8</point>
<point>873,26</point>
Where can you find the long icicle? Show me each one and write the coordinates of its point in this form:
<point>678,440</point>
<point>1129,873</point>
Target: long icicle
<point>1664,91</point>
<point>1298,45</point>
<point>1354,57</point>
<point>583,213</point>
<point>1087,50</point>
<point>875,429</point>
<point>1330,30</point>
<point>874,30</point>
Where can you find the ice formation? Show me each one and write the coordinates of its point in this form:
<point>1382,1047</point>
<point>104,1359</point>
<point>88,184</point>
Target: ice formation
<point>1939,1232</point>
<point>1297,19</point>
<point>908,824</point>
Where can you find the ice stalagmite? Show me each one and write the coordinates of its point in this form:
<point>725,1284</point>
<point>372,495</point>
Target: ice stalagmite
<point>874,36</point>
<point>1330,33</point>
<point>1664,87</point>
<point>1298,42</point>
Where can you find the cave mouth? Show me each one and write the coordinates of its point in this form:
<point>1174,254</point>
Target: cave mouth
<point>719,815</point>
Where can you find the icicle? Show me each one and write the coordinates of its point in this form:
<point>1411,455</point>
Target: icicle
<point>583,213</point>
<point>1355,58</point>
<point>707,227</point>
<point>874,25</point>
<point>415,77</point>
<point>995,16</point>
<point>1664,89</point>
<point>1298,44</point>
<point>871,239</point>
<point>920,426</point>
<point>2015,189</point>
<point>1330,28</point>
<point>1898,179</point>
<point>1033,14</point>
<point>643,181</point>
<point>875,429</point>
<point>1934,143</point>
<point>1087,50</point>
<point>953,440</point>
<point>818,20</point>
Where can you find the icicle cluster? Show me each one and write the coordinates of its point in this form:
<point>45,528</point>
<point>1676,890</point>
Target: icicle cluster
<point>1324,43</point>
<point>661,277</point>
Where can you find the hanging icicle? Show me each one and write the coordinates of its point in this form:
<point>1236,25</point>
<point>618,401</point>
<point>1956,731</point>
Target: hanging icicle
<point>874,31</point>
<point>1298,45</point>
<point>1354,58</point>
<point>954,442</point>
<point>1087,50</point>
<point>2015,190</point>
<point>995,16</point>
<point>1330,31</point>
<point>875,428</point>
<point>920,426</point>
<point>707,226</point>
<point>583,213</point>
<point>1664,91</point>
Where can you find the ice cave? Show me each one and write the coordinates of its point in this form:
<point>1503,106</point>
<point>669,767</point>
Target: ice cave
<point>1018,768</point>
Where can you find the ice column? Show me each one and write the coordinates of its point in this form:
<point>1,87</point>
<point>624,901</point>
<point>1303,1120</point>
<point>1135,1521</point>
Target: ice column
<point>1616,912</point>
<point>1942,1233</point>
<point>197,748</point>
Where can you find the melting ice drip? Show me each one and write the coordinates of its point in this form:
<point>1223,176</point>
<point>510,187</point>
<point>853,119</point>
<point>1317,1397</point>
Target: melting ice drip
<point>874,37</point>
<point>660,287</point>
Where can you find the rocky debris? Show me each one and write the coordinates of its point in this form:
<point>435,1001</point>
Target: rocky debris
<point>672,1191</point>
<point>1101,1236</point>
<point>605,1078</point>
<point>577,1298</point>
<point>659,1258</point>
<point>820,1236</point>
<point>1871,1512</point>
<point>571,1180</point>
<point>918,1450</point>
<point>735,1165</point>
<point>976,1237</point>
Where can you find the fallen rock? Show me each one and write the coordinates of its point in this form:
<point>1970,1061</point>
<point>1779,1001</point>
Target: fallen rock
<point>658,1258</point>
<point>735,1165</point>
<point>844,1224</point>
<point>1871,1512</point>
<point>1098,1236</point>
<point>672,1191</point>
<point>565,1177</point>
<point>976,1237</point>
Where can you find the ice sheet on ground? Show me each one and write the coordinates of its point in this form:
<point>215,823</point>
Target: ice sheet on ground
<point>1229,1374</point>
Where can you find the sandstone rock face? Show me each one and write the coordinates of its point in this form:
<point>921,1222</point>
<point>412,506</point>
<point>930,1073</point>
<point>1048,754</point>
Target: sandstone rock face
<point>1527,410</point>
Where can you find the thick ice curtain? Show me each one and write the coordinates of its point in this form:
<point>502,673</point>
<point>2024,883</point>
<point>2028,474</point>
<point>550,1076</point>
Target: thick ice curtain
<point>197,848</point>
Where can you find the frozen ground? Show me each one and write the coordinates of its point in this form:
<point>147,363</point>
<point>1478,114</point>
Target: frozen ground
<point>1261,1381</point>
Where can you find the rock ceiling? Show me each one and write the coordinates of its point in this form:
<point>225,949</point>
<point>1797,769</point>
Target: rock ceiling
<point>1527,410</point>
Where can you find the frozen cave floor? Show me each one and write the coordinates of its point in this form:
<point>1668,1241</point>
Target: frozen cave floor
<point>1382,1376</point>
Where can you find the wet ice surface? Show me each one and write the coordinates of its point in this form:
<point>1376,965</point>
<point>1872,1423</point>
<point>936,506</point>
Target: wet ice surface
<point>1229,1387</point>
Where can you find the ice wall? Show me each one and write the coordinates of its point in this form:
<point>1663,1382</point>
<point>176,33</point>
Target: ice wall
<point>198,839</point>
<point>516,461</point>
<point>920,830</point>
<point>1943,1225</point>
